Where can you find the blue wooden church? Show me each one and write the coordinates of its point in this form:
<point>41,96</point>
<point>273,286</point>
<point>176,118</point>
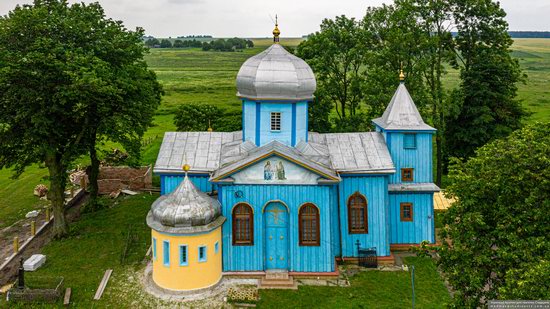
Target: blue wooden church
<point>298,201</point>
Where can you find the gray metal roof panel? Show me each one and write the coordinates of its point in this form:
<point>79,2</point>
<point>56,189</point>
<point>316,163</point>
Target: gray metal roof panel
<point>413,187</point>
<point>401,113</point>
<point>201,150</point>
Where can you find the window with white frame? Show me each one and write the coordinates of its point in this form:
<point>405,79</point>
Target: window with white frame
<point>275,121</point>
<point>154,248</point>
<point>166,252</point>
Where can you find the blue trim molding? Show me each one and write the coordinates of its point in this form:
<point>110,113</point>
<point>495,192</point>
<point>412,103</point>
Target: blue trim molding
<point>258,123</point>
<point>293,132</point>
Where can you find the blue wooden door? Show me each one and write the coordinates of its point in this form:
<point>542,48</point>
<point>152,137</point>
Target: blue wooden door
<point>276,237</point>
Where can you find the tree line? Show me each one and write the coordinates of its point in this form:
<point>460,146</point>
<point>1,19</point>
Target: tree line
<point>231,44</point>
<point>357,64</point>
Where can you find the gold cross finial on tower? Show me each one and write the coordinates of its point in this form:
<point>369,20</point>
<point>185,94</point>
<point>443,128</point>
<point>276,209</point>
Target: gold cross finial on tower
<point>209,127</point>
<point>401,74</point>
<point>276,31</point>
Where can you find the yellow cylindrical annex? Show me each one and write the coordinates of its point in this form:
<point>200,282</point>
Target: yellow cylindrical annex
<point>186,239</point>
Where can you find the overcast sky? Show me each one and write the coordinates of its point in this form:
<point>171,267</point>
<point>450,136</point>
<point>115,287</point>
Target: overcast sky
<point>253,18</point>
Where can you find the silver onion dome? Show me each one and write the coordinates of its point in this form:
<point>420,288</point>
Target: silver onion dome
<point>276,74</point>
<point>185,207</point>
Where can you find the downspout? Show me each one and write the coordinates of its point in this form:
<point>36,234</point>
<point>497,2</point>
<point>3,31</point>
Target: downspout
<point>339,221</point>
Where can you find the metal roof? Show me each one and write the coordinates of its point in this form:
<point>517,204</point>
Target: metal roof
<point>276,74</point>
<point>360,152</point>
<point>413,187</point>
<point>402,114</point>
<point>201,150</point>
<point>185,207</point>
<point>275,148</point>
<point>206,152</point>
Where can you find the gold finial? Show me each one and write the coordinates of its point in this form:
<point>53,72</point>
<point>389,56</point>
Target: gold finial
<point>209,127</point>
<point>186,167</point>
<point>401,74</point>
<point>276,31</point>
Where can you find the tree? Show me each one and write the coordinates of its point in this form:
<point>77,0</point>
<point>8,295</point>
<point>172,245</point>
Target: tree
<point>165,43</point>
<point>178,44</point>
<point>486,102</point>
<point>44,70</point>
<point>200,117</point>
<point>336,54</point>
<point>126,93</point>
<point>152,42</point>
<point>499,225</point>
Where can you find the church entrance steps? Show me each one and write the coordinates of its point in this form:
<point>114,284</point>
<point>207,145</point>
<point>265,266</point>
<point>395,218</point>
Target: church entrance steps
<point>276,275</point>
<point>277,280</point>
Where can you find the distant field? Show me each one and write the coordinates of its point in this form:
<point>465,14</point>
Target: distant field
<point>194,76</point>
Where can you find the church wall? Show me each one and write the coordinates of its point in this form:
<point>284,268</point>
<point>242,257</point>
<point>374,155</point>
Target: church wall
<point>169,183</point>
<point>301,258</point>
<point>419,158</point>
<point>374,188</point>
<point>257,122</point>
<point>249,121</point>
<point>422,226</point>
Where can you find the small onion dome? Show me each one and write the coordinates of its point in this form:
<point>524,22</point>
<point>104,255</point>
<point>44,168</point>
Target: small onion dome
<point>187,209</point>
<point>276,74</point>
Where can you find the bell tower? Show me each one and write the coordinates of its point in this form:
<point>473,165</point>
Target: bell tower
<point>275,88</point>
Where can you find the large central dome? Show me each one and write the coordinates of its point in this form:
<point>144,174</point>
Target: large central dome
<point>276,74</point>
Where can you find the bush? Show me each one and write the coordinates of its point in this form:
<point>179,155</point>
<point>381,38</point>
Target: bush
<point>198,117</point>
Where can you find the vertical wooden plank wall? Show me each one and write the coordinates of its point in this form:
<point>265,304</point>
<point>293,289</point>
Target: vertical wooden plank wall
<point>374,188</point>
<point>302,258</point>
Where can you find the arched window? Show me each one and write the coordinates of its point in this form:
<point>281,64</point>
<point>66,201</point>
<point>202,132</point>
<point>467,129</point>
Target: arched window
<point>243,225</point>
<point>308,218</point>
<point>357,214</point>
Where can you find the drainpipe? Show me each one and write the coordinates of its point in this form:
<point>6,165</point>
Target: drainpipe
<point>339,221</point>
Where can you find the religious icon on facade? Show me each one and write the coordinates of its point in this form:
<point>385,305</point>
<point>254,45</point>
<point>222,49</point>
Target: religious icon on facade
<point>268,171</point>
<point>280,171</point>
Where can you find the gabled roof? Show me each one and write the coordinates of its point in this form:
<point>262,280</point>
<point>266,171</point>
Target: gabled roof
<point>402,114</point>
<point>201,150</point>
<point>271,149</point>
<point>206,152</point>
<point>358,152</point>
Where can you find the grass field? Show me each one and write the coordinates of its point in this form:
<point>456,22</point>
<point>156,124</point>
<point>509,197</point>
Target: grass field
<point>97,240</point>
<point>195,76</point>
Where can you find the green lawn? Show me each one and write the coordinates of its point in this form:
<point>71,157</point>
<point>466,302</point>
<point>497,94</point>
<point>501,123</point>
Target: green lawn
<point>97,240</point>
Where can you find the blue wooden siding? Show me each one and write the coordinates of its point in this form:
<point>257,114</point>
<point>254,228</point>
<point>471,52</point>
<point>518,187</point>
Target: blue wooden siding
<point>422,226</point>
<point>249,120</point>
<point>257,122</point>
<point>374,188</point>
<point>419,158</point>
<point>169,183</point>
<point>302,258</point>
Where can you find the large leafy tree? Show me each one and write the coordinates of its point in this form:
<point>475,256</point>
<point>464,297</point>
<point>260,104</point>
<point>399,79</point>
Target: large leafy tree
<point>486,102</point>
<point>53,73</point>
<point>499,227</point>
<point>125,93</point>
<point>337,53</point>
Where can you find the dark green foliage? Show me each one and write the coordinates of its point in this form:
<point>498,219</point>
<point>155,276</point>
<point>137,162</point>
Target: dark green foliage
<point>62,69</point>
<point>336,54</point>
<point>226,45</point>
<point>319,113</point>
<point>178,44</point>
<point>165,43</point>
<point>199,117</point>
<point>500,225</point>
<point>152,42</point>
<point>486,107</point>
